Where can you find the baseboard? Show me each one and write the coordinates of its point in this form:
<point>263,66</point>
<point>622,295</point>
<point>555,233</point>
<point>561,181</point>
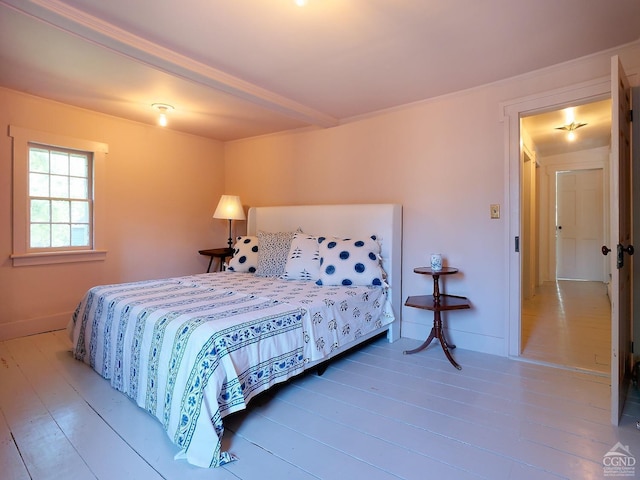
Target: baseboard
<point>34,326</point>
<point>465,340</point>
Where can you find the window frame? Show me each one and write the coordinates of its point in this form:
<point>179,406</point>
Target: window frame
<point>22,254</point>
<point>69,199</point>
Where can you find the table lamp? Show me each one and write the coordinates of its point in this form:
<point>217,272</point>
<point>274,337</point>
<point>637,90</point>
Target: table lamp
<point>230,208</point>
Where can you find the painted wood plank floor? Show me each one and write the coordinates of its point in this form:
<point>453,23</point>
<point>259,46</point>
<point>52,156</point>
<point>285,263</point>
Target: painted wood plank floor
<point>374,414</point>
<point>568,323</point>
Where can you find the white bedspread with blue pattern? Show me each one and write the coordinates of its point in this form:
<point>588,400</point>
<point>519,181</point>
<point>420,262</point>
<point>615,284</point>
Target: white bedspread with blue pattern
<point>191,350</point>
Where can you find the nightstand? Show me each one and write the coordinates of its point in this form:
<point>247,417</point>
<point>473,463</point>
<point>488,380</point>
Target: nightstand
<point>438,302</point>
<point>220,253</point>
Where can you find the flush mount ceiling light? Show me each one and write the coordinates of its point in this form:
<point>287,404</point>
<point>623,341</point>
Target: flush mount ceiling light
<point>570,128</point>
<point>163,108</point>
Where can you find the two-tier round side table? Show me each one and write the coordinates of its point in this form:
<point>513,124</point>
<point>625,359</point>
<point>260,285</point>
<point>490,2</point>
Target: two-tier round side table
<point>437,303</point>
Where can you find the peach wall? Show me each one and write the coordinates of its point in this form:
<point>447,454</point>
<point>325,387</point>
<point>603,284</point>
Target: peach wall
<point>444,178</point>
<point>444,160</point>
<point>161,190</point>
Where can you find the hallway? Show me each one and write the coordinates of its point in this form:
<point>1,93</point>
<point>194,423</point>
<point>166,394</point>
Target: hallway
<point>568,323</point>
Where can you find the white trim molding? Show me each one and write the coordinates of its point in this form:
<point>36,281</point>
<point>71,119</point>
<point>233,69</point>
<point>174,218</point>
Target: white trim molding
<point>510,113</point>
<point>34,326</point>
<point>21,256</point>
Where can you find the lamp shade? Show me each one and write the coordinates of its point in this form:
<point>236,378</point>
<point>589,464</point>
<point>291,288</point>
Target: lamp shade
<point>230,208</point>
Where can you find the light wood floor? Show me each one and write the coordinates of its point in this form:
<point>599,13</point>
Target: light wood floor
<point>375,414</point>
<point>568,323</point>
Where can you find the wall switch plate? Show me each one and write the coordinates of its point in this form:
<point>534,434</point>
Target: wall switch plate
<point>495,210</point>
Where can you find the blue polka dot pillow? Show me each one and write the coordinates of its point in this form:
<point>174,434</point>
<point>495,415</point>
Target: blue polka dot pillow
<point>350,262</point>
<point>245,255</point>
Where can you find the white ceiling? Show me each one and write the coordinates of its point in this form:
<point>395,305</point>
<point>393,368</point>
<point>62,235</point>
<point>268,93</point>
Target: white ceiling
<point>239,68</point>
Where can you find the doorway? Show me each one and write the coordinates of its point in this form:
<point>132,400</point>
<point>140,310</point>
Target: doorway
<point>616,88</point>
<point>565,309</point>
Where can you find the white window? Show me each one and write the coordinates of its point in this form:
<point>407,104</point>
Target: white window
<point>60,199</point>
<point>57,198</point>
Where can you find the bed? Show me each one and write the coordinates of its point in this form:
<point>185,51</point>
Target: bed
<point>191,350</point>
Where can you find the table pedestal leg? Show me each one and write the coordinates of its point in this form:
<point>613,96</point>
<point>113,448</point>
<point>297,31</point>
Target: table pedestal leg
<point>426,343</point>
<point>437,332</point>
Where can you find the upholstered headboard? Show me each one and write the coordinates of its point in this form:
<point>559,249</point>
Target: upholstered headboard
<point>346,221</point>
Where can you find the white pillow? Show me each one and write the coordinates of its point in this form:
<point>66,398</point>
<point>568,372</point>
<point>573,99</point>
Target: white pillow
<point>350,262</point>
<point>303,260</point>
<point>274,248</point>
<point>245,255</point>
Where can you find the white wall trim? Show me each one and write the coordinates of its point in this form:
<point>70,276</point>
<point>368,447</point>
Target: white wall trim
<point>510,113</point>
<point>22,255</point>
<point>34,326</point>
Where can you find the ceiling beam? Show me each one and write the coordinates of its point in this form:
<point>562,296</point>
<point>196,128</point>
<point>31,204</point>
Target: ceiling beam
<point>115,39</point>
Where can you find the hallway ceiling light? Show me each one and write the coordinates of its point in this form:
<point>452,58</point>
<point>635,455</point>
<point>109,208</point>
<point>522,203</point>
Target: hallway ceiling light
<point>571,128</point>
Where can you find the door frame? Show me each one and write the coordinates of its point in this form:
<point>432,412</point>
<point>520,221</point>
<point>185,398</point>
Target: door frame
<point>510,114</point>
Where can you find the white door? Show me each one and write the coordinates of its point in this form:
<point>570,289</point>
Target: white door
<point>621,308</point>
<point>579,225</point>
